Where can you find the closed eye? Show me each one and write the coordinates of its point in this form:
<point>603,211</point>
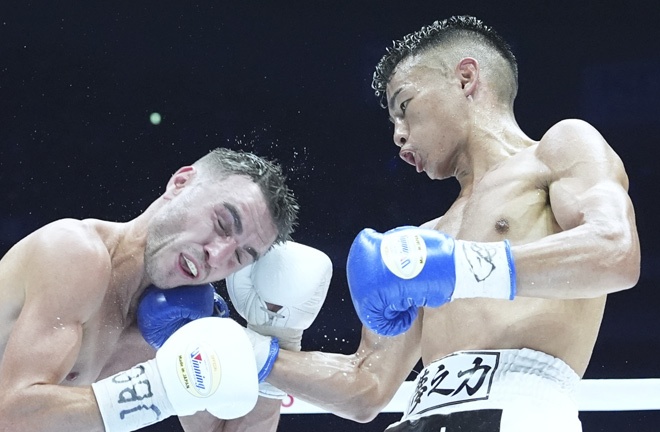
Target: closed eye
<point>223,230</point>
<point>226,233</point>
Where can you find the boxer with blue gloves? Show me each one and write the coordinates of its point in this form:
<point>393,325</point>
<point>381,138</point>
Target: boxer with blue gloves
<point>393,274</point>
<point>488,363</point>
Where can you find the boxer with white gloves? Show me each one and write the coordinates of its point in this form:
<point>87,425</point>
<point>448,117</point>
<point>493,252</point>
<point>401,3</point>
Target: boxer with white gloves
<point>71,291</point>
<point>194,370</point>
<point>280,295</point>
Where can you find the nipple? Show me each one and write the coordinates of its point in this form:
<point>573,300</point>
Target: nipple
<point>502,226</point>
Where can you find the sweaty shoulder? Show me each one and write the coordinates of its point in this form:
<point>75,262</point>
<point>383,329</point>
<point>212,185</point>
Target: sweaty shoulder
<point>575,148</point>
<point>68,257</point>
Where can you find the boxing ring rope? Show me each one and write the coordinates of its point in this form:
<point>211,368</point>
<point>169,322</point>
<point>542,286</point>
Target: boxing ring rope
<point>592,395</point>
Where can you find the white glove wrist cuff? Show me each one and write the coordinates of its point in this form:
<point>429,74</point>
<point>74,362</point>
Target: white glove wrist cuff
<point>132,399</point>
<point>484,270</point>
<point>270,391</point>
<point>266,349</point>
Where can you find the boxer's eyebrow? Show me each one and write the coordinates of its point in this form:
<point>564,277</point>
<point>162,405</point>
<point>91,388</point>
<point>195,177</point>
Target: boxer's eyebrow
<point>391,103</point>
<point>393,97</point>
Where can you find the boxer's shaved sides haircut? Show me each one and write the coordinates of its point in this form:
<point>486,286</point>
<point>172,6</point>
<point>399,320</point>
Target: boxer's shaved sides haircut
<point>268,175</point>
<point>458,36</point>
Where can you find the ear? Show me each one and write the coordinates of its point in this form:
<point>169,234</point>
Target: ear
<point>468,74</point>
<point>179,180</point>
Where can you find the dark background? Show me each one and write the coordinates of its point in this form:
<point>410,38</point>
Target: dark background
<point>291,81</point>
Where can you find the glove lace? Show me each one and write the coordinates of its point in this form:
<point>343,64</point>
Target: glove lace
<point>272,316</point>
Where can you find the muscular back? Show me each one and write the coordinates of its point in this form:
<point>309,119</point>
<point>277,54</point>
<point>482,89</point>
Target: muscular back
<point>512,201</point>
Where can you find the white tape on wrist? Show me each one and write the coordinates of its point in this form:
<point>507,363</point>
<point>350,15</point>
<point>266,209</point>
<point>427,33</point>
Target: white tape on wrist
<point>132,399</point>
<point>484,270</point>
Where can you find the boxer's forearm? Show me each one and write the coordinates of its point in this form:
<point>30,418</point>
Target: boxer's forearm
<point>357,386</point>
<point>315,377</point>
<point>333,382</point>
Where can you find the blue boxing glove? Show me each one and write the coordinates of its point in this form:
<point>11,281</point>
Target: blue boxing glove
<point>391,275</point>
<point>161,312</point>
<point>220,306</point>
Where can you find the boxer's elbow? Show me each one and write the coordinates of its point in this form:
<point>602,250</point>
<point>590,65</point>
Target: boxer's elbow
<point>632,263</point>
<point>629,276</point>
<point>361,412</point>
<point>366,402</point>
<point>622,259</point>
<point>365,416</point>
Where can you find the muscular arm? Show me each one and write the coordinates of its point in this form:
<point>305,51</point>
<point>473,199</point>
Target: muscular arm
<point>46,338</point>
<point>355,386</point>
<point>597,251</point>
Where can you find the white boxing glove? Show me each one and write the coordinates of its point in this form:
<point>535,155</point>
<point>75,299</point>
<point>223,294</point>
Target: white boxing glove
<point>208,364</point>
<point>291,276</point>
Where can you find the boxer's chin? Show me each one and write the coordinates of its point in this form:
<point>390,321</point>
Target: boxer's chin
<point>157,276</point>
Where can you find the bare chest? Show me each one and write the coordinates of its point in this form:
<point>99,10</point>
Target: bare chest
<point>111,342</point>
<point>107,348</point>
<point>512,203</point>
<point>503,205</point>
<point>101,335</point>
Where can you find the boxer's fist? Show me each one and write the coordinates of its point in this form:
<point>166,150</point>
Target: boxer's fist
<point>279,296</point>
<point>282,293</point>
<point>208,364</point>
<point>391,275</point>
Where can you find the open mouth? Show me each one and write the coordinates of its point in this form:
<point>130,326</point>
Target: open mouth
<point>188,266</point>
<point>419,165</point>
<point>412,159</point>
